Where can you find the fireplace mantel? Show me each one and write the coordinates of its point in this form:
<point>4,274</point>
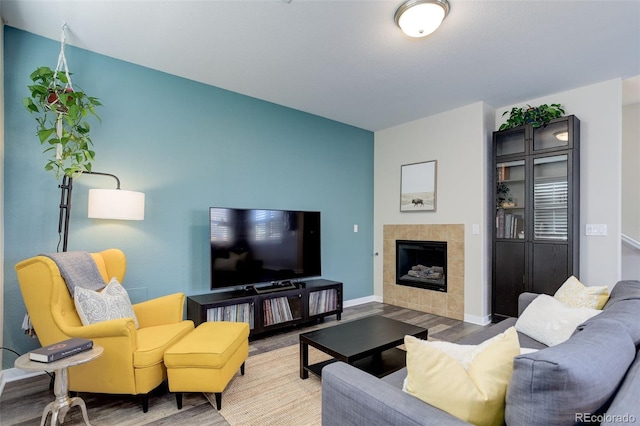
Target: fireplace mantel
<point>449,304</point>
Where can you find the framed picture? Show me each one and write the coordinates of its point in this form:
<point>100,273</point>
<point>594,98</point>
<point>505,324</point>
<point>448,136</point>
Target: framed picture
<point>418,186</point>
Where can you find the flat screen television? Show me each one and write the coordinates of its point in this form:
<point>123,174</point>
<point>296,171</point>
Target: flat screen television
<point>254,246</point>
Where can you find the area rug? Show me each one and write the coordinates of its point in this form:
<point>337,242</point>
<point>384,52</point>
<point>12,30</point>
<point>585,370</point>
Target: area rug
<point>272,393</point>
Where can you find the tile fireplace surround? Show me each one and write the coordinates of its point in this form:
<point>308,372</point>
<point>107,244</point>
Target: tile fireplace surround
<point>449,304</point>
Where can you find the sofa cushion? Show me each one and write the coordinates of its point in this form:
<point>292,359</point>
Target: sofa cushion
<point>353,397</point>
<point>578,295</point>
<point>466,381</point>
<point>624,290</point>
<point>625,407</point>
<point>550,321</point>
<point>627,313</point>
<point>397,379</point>
<point>550,386</point>
<point>153,342</point>
<point>490,331</point>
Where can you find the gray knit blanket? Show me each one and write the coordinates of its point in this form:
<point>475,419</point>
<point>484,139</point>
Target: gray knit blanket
<point>78,270</point>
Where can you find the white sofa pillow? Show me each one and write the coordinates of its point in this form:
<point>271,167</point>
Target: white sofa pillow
<point>111,303</point>
<point>550,321</point>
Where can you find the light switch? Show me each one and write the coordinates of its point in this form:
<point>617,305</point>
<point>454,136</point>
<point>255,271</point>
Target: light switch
<point>596,229</point>
<point>355,228</point>
<point>475,229</point>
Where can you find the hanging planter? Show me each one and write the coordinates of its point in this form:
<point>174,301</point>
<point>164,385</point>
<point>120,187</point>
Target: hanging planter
<point>536,116</point>
<point>61,114</point>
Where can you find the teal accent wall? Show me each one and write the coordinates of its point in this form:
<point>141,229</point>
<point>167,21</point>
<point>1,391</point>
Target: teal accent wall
<point>187,146</point>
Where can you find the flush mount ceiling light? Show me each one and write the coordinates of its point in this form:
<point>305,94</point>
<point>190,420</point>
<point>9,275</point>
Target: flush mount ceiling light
<point>419,18</point>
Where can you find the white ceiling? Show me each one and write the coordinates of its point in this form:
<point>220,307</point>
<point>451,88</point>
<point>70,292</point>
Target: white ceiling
<point>346,60</point>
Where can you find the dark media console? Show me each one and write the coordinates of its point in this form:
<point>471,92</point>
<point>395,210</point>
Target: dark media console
<point>269,308</point>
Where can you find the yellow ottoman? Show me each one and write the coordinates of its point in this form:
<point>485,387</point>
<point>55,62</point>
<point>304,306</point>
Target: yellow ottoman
<point>206,359</point>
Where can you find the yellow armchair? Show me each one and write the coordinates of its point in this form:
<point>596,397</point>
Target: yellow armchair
<point>132,362</point>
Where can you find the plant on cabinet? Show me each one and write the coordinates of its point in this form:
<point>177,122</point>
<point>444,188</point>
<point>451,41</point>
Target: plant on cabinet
<point>536,116</point>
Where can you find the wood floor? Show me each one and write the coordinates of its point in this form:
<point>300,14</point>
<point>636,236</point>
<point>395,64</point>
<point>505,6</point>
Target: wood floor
<point>23,401</point>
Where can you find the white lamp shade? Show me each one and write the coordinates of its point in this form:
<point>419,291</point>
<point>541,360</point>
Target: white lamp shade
<point>418,19</point>
<point>116,204</point>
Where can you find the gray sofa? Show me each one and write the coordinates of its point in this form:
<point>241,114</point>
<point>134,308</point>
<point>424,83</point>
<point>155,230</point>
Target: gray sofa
<point>592,378</point>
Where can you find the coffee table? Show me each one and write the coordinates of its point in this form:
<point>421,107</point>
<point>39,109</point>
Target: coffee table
<point>368,344</point>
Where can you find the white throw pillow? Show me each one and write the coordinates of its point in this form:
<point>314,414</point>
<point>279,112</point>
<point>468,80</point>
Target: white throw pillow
<point>550,321</point>
<point>111,303</point>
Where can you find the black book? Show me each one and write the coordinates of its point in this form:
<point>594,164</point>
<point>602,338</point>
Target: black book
<point>60,350</point>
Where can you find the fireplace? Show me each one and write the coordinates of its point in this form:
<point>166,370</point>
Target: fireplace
<point>422,264</point>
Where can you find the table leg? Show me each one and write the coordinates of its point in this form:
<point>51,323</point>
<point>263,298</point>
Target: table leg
<point>79,402</point>
<point>304,360</point>
<point>48,409</point>
<point>62,403</point>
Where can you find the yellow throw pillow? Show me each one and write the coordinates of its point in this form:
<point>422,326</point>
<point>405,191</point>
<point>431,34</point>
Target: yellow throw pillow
<point>578,295</point>
<point>475,394</point>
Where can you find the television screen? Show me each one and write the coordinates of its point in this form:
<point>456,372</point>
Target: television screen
<point>251,246</point>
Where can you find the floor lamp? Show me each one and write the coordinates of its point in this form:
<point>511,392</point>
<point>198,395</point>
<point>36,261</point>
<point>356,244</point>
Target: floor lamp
<point>103,204</point>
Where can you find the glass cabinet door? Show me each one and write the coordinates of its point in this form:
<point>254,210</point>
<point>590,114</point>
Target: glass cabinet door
<point>553,135</point>
<point>510,199</point>
<point>550,195</point>
<point>510,143</point>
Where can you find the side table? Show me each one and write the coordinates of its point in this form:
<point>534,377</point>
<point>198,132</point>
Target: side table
<point>63,402</point>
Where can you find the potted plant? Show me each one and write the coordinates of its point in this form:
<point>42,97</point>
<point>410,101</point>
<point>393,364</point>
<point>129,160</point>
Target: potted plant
<point>61,113</point>
<point>503,199</point>
<point>536,116</point>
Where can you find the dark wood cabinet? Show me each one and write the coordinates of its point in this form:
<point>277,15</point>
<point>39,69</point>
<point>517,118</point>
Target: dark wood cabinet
<point>509,282</point>
<point>536,211</point>
<point>309,301</point>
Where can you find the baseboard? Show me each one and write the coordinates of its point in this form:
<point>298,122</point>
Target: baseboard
<point>477,320</point>
<point>361,301</point>
<point>15,374</point>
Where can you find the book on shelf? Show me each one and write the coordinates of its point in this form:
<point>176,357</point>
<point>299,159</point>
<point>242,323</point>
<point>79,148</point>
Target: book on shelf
<point>509,226</point>
<point>60,350</point>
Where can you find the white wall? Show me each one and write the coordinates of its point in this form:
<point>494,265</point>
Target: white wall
<point>631,190</point>
<point>1,180</point>
<point>631,171</point>
<point>599,108</point>
<point>458,140</point>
